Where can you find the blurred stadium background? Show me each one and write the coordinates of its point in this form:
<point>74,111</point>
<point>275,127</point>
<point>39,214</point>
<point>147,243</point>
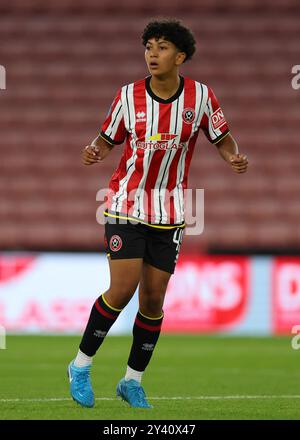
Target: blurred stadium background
<point>64,62</point>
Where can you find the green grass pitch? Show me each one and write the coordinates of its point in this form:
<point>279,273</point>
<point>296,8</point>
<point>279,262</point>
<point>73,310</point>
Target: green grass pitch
<point>189,377</point>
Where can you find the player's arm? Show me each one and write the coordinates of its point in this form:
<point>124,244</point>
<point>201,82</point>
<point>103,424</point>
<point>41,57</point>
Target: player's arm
<point>97,151</point>
<point>113,132</point>
<point>228,149</point>
<point>216,129</point>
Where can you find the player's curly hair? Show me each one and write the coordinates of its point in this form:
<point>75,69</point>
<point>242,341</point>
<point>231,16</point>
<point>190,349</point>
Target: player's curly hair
<point>172,30</point>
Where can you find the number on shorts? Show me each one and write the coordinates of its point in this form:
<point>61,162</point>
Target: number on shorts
<point>177,239</point>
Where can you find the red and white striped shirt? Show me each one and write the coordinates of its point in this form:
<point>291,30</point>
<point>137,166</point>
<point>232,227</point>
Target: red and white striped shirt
<point>160,137</point>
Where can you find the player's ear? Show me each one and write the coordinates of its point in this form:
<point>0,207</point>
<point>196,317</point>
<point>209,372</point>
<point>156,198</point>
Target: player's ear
<point>180,57</point>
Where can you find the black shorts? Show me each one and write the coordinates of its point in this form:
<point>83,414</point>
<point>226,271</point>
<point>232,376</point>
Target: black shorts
<point>158,247</point>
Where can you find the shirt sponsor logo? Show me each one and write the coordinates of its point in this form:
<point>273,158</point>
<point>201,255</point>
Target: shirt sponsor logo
<point>218,119</point>
<point>161,141</point>
<point>163,137</point>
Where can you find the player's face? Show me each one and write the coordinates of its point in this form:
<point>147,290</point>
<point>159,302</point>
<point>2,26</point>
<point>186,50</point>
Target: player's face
<point>162,56</point>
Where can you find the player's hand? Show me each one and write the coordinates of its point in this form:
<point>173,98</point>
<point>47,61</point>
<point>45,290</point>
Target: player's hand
<point>90,155</point>
<point>239,163</point>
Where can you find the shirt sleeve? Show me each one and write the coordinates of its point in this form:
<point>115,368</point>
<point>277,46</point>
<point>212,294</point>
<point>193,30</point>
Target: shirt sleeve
<point>113,129</point>
<point>213,121</point>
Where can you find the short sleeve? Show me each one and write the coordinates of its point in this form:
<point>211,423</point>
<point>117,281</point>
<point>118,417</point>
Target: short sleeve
<point>113,129</point>
<point>213,121</point>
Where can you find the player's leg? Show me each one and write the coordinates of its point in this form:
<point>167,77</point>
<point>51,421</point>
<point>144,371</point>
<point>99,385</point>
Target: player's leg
<point>125,275</point>
<point>159,263</point>
<point>149,318</point>
<point>125,246</point>
<point>146,331</point>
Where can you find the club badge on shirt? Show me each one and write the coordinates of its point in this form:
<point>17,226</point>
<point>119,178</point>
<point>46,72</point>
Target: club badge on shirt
<point>188,115</point>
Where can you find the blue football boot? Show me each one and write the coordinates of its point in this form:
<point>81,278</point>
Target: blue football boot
<point>80,385</point>
<point>133,393</point>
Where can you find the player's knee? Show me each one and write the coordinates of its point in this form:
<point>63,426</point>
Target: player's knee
<point>151,305</point>
<point>119,297</point>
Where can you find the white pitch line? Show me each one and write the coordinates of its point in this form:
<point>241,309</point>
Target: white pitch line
<point>293,396</point>
<point>237,397</point>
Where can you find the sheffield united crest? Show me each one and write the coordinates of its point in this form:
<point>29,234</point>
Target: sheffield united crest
<point>115,243</point>
<point>188,115</point>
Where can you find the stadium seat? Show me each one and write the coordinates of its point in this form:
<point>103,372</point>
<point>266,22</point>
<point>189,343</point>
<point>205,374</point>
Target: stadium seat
<point>65,65</point>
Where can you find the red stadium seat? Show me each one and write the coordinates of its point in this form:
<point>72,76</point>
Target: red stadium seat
<point>65,65</point>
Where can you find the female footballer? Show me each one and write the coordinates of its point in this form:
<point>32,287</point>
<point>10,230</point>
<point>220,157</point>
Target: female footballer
<point>158,118</point>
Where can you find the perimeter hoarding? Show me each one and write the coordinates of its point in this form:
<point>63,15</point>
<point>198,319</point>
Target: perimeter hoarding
<point>54,292</point>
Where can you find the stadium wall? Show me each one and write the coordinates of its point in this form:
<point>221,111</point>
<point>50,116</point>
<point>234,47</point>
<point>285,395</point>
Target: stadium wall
<point>53,293</point>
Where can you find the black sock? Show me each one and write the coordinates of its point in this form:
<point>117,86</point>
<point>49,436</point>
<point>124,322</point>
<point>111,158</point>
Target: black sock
<point>101,319</point>
<point>146,332</point>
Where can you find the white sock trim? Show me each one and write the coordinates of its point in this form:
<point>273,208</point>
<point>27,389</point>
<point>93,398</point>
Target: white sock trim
<point>82,360</point>
<point>133,374</point>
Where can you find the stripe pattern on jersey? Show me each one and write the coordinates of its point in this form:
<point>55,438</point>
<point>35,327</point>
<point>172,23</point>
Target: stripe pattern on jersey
<point>150,180</point>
